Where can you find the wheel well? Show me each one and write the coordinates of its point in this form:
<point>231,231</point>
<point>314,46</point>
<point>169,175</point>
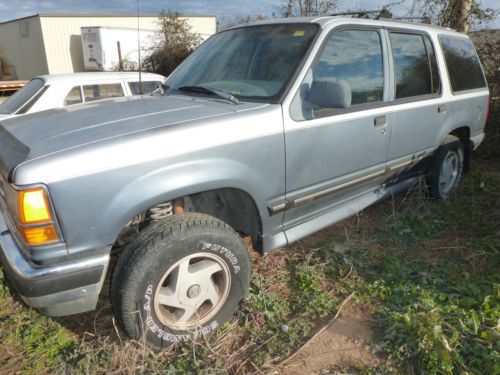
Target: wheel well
<point>233,206</point>
<point>463,134</point>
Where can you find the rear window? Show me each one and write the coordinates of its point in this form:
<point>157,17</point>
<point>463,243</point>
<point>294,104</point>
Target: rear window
<point>32,101</point>
<point>21,97</point>
<point>102,91</point>
<point>464,68</point>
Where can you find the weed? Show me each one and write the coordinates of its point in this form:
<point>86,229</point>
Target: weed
<point>427,271</point>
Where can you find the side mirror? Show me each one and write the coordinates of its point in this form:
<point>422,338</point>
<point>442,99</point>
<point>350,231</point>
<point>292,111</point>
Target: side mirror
<point>330,93</point>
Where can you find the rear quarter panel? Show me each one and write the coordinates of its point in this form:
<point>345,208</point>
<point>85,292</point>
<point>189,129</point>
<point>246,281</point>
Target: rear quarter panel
<point>464,109</point>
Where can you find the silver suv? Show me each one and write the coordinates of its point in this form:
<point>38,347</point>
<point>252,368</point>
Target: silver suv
<point>274,130</point>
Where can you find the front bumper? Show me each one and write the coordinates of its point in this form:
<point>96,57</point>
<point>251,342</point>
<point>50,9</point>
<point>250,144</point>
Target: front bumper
<point>61,289</point>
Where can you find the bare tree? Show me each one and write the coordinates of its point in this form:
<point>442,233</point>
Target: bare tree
<point>457,14</point>
<point>298,8</point>
<point>172,45</point>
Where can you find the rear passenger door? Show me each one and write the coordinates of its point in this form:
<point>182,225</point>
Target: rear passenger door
<point>418,111</point>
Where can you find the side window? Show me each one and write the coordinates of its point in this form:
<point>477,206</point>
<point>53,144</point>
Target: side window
<point>74,96</point>
<point>415,65</point>
<point>348,75</point>
<point>102,91</point>
<point>464,68</point>
<point>355,57</point>
<point>147,87</point>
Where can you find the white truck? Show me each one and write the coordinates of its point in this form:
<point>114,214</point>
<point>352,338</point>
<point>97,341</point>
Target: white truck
<point>106,48</point>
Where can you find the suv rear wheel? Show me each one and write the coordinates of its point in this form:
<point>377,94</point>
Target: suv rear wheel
<point>447,169</point>
<point>179,279</point>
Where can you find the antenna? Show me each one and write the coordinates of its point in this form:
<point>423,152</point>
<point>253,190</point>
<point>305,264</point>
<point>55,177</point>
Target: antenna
<point>139,50</point>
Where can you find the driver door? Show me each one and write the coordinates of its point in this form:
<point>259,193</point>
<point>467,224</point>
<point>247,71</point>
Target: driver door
<point>334,155</point>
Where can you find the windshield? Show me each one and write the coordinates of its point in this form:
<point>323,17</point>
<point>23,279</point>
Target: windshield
<point>18,99</point>
<point>253,62</point>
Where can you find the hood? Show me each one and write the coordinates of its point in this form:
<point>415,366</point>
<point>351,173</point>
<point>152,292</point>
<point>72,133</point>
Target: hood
<point>39,134</point>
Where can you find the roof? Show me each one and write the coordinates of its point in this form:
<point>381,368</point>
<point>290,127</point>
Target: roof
<point>70,15</point>
<point>92,76</point>
<point>324,21</point>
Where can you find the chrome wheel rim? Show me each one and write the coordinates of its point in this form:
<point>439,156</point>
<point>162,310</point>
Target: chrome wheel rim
<point>450,172</point>
<point>192,291</point>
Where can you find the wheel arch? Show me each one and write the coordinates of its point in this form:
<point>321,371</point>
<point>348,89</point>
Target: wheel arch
<point>219,188</point>
<point>463,134</point>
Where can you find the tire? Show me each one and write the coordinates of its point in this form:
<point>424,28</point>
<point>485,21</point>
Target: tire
<point>447,169</point>
<point>180,279</point>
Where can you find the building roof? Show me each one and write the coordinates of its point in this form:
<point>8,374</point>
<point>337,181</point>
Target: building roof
<point>103,15</point>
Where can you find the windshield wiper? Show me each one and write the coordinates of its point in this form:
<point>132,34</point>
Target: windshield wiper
<point>205,90</point>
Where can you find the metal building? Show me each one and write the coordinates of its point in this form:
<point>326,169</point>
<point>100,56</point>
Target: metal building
<point>52,43</point>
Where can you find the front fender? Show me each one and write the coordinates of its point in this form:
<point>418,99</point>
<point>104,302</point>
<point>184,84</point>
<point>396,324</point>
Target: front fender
<point>175,181</point>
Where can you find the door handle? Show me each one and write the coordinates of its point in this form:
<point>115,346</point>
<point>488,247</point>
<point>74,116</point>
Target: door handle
<point>379,121</point>
<point>442,109</point>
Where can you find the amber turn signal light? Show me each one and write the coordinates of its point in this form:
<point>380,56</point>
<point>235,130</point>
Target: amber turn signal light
<point>39,235</point>
<point>34,206</point>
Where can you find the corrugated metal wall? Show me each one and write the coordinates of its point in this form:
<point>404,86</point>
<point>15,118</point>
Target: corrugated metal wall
<point>62,38</point>
<point>21,45</point>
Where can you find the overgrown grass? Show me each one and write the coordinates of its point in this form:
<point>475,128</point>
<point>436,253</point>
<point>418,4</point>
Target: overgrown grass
<point>434,275</point>
<point>30,342</point>
<point>427,271</point>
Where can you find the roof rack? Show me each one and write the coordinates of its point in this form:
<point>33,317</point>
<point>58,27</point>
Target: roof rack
<point>423,19</point>
<point>379,14</point>
<point>384,13</point>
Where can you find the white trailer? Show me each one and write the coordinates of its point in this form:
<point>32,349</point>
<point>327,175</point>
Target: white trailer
<point>112,48</point>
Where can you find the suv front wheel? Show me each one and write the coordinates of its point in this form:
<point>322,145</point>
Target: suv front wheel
<point>180,279</point>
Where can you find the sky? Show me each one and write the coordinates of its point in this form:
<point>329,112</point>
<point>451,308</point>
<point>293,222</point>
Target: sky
<point>12,9</point>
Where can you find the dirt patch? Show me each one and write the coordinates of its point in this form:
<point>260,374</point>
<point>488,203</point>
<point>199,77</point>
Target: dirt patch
<point>346,343</point>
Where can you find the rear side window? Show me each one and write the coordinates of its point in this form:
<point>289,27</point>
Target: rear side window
<point>464,68</point>
<point>102,91</point>
<point>146,87</point>
<point>74,96</point>
<point>415,65</point>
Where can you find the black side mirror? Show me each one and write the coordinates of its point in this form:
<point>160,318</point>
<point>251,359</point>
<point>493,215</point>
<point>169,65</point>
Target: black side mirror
<point>330,93</point>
